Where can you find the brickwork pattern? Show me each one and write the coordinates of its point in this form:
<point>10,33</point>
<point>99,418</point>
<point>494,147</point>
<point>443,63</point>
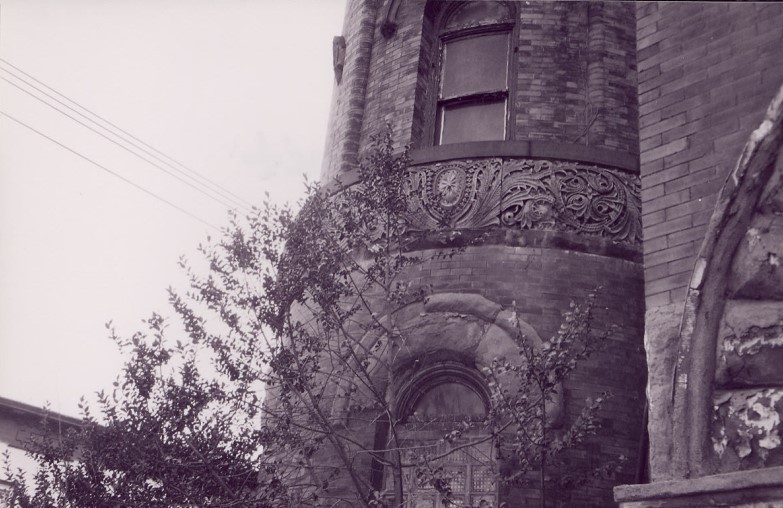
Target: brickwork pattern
<point>576,74</point>
<point>541,283</point>
<point>575,66</point>
<point>706,74</point>
<point>348,97</point>
<point>612,76</point>
<point>393,79</point>
<point>568,55</point>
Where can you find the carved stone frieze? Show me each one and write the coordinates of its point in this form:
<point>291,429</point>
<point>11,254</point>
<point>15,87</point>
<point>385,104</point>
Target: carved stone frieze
<point>526,193</point>
<point>455,194</point>
<point>571,196</point>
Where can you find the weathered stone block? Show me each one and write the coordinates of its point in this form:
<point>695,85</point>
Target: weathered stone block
<point>756,272</point>
<point>472,304</point>
<point>772,199</point>
<point>660,342</point>
<point>750,344</point>
<point>745,489</point>
<point>746,428</point>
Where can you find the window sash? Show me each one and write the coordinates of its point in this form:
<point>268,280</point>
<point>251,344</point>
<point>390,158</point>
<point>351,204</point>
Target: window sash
<point>481,98</point>
<point>472,65</point>
<point>478,118</point>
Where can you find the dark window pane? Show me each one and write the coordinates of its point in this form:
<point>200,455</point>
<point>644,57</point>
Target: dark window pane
<point>449,400</point>
<point>474,64</point>
<point>472,122</point>
<point>475,13</point>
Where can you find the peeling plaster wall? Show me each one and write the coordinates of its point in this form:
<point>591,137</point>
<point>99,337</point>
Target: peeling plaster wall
<point>746,428</point>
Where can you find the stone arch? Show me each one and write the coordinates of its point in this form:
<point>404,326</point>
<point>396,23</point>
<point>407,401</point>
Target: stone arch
<point>451,336</point>
<point>464,328</point>
<point>728,273</point>
<point>413,390</point>
<point>467,323</point>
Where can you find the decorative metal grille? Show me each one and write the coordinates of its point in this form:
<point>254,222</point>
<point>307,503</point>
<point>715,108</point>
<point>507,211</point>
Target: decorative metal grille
<point>470,470</point>
<point>458,477</point>
<point>483,480</point>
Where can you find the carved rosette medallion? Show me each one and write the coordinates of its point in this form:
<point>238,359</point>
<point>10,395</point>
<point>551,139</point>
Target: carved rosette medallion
<point>529,194</point>
<point>456,194</point>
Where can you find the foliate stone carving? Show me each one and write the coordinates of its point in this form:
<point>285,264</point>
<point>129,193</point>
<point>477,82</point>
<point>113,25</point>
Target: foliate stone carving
<point>571,196</point>
<point>455,194</point>
<point>526,193</point>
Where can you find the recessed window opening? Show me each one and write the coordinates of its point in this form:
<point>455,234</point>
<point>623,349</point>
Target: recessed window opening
<point>435,401</point>
<point>473,81</point>
<point>448,402</point>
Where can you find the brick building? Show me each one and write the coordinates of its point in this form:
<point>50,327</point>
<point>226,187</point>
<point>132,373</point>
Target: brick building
<point>522,122</point>
<point>709,133</point>
<point>567,132</point>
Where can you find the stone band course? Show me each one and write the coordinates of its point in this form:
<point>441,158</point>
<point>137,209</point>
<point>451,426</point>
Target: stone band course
<point>527,193</point>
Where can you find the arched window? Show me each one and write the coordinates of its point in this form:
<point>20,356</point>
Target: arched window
<point>437,400</point>
<point>473,101</point>
<point>448,401</point>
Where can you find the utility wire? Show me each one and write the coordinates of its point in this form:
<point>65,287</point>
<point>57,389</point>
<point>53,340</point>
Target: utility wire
<point>146,191</point>
<point>236,199</point>
<point>194,175</point>
<point>227,204</point>
<point>223,203</point>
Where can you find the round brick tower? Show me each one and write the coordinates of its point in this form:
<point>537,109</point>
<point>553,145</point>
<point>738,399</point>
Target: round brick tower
<point>522,123</point>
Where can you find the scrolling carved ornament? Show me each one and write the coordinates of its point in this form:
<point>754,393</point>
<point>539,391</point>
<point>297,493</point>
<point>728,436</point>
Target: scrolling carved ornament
<point>529,194</point>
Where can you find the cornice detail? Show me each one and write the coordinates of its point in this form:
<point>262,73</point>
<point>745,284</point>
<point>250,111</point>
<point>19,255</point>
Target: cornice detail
<point>526,193</point>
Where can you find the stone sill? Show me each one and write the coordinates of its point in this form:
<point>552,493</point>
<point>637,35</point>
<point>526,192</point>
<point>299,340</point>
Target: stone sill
<point>727,489</point>
<point>510,149</point>
<point>527,148</point>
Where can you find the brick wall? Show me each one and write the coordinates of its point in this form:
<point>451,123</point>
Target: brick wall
<point>393,78</point>
<point>612,75</point>
<point>542,282</point>
<point>575,79</point>
<point>576,66</point>
<point>348,97</point>
<point>570,55</point>
<point>707,71</point>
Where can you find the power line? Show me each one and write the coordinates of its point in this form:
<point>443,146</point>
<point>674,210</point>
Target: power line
<point>238,200</point>
<point>223,203</point>
<point>104,168</point>
<point>193,175</point>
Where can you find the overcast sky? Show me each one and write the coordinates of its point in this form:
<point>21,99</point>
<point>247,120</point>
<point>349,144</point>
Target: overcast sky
<point>237,90</point>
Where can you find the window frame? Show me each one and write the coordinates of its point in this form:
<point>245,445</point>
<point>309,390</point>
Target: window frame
<point>408,395</point>
<point>444,36</point>
<point>466,496</point>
